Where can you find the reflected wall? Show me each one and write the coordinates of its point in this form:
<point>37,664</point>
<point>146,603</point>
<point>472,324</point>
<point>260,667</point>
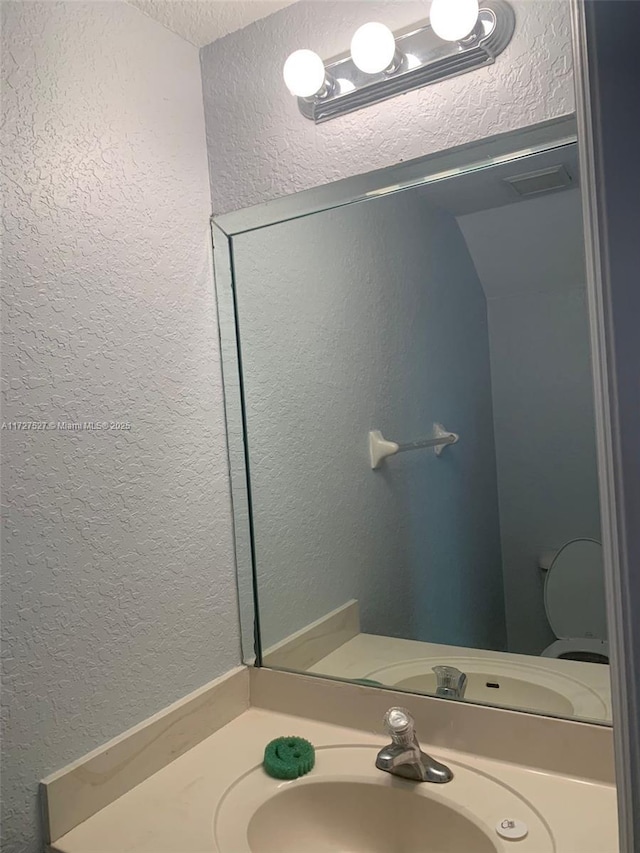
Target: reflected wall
<point>370,316</point>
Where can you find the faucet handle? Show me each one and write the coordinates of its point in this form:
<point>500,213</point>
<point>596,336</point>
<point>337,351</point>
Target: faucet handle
<point>451,681</point>
<point>400,725</point>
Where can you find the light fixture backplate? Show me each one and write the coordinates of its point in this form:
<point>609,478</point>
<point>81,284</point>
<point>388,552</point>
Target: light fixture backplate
<point>427,59</point>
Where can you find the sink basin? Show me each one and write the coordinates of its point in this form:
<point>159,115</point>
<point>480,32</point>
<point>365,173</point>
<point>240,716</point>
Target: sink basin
<point>345,805</point>
<point>361,817</point>
<point>513,685</point>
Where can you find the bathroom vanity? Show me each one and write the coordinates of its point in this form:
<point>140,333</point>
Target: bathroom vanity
<point>507,792</point>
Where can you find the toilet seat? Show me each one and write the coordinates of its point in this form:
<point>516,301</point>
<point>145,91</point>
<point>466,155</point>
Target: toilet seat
<point>576,648</point>
<point>574,601</point>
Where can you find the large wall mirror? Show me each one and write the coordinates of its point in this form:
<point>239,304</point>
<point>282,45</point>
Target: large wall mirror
<point>412,440</point>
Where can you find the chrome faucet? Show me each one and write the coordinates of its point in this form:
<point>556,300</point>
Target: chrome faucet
<point>451,682</point>
<point>403,757</point>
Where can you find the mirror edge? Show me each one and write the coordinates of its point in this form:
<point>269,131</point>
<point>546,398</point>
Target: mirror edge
<point>547,134</point>
<point>239,484</point>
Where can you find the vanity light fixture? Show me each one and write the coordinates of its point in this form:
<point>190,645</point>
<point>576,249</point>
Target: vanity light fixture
<point>462,35</point>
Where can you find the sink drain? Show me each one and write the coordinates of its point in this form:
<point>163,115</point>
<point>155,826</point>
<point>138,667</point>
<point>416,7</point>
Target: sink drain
<point>513,829</point>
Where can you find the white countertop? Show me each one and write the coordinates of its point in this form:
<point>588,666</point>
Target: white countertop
<point>173,810</point>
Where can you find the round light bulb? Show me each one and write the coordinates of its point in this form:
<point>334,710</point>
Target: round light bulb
<point>453,20</point>
<point>373,47</point>
<point>304,73</point>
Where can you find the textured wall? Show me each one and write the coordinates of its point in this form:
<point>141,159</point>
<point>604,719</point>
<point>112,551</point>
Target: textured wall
<point>118,594</point>
<point>370,316</point>
<point>203,21</point>
<point>530,258</point>
<point>260,147</point>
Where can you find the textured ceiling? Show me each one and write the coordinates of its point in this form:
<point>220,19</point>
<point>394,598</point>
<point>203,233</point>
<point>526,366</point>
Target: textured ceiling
<point>204,21</point>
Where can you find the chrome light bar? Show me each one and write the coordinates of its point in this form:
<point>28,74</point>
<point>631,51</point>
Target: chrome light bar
<point>422,58</point>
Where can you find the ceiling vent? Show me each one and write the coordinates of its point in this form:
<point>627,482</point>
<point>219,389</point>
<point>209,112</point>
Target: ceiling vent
<point>543,181</point>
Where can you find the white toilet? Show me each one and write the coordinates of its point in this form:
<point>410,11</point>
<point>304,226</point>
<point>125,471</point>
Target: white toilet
<point>575,603</point>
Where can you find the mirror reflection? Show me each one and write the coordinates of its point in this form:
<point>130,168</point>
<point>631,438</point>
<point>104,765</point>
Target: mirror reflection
<point>419,427</point>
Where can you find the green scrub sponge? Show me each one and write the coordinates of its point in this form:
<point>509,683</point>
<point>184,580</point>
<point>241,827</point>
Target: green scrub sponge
<point>289,757</point>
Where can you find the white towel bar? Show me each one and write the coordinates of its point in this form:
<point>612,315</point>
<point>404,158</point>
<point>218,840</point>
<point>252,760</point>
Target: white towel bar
<point>380,447</point>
